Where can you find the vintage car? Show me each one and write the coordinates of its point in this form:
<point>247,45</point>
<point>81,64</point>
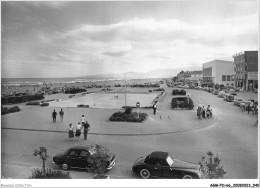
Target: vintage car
<point>237,101</point>
<point>77,157</point>
<point>229,98</point>
<point>221,94</point>
<point>161,165</point>
<point>215,92</point>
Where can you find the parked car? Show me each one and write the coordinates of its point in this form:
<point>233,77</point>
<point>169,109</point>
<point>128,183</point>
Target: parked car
<point>215,92</point>
<point>233,93</point>
<point>161,164</point>
<point>237,101</point>
<point>77,157</point>
<point>221,94</point>
<point>229,98</point>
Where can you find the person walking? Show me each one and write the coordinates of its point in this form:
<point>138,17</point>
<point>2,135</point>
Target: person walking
<point>78,130</point>
<point>209,112</point>
<point>61,115</point>
<point>154,108</point>
<point>86,129</point>
<point>82,119</point>
<point>54,114</point>
<point>199,112</point>
<point>203,112</point>
<point>71,133</point>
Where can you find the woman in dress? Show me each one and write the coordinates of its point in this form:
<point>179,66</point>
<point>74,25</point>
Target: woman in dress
<point>71,133</point>
<point>78,130</point>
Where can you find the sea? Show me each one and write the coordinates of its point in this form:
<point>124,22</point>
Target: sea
<point>40,81</point>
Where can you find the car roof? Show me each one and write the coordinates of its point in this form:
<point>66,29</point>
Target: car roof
<point>159,154</point>
<point>82,147</point>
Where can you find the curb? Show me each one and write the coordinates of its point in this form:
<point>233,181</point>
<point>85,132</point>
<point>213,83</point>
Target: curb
<point>119,134</point>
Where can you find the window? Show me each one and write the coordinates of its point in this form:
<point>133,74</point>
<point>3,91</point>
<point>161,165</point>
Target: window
<point>84,153</point>
<point>73,153</point>
<point>228,77</point>
<point>223,77</point>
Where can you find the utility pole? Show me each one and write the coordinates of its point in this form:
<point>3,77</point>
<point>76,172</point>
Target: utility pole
<point>125,92</point>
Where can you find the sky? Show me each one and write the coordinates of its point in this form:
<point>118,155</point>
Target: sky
<point>70,39</point>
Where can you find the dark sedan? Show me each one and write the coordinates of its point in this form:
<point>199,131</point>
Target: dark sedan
<point>77,157</point>
<point>162,165</point>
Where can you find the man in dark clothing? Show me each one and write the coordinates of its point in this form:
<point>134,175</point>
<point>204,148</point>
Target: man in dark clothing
<point>154,108</point>
<point>86,129</point>
<point>54,114</point>
<point>61,114</point>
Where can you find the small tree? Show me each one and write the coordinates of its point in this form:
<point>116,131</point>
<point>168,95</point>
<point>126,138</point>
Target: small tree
<point>98,162</point>
<point>210,167</point>
<point>128,110</point>
<point>42,152</point>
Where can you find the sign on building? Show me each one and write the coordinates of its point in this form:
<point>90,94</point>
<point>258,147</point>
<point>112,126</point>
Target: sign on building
<point>252,75</point>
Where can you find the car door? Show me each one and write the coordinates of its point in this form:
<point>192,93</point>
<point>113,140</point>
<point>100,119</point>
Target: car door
<point>72,158</point>
<point>83,159</point>
<point>162,169</point>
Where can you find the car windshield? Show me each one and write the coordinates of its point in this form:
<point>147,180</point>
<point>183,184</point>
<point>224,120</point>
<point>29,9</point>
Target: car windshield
<point>169,160</point>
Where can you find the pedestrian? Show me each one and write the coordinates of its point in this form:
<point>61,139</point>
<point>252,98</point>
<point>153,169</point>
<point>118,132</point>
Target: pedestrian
<point>54,114</point>
<point>203,112</point>
<point>61,114</point>
<point>78,130</point>
<point>82,119</point>
<point>86,129</point>
<point>71,133</point>
<point>209,112</point>
<point>154,108</point>
<point>199,112</point>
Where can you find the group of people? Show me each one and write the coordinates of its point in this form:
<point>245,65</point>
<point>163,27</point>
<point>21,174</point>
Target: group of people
<point>54,114</point>
<point>202,112</point>
<point>81,125</point>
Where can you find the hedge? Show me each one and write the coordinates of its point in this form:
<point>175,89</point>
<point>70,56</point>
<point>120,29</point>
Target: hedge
<point>5,110</point>
<point>33,103</point>
<point>45,104</point>
<point>50,174</point>
<point>178,92</point>
<point>182,102</point>
<point>74,90</point>
<point>132,117</point>
<point>20,99</point>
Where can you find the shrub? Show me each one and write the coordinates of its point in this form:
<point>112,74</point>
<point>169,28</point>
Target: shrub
<point>45,104</point>
<point>5,110</point>
<point>210,167</point>
<point>132,117</point>
<point>49,174</point>
<point>82,105</point>
<point>98,160</point>
<point>178,92</point>
<point>182,102</point>
<point>128,110</point>
<point>21,98</point>
<point>75,90</point>
<point>33,103</point>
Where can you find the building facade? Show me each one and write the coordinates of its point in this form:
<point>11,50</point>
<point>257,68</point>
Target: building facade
<point>195,78</point>
<point>246,70</point>
<point>218,72</point>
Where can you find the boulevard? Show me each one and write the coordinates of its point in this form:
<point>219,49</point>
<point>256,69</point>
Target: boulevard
<point>230,134</point>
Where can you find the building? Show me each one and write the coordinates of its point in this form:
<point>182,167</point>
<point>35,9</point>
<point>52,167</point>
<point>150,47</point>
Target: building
<point>246,70</point>
<point>194,77</point>
<point>218,72</point>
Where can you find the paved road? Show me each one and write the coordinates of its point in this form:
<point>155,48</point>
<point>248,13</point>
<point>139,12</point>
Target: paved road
<point>232,137</point>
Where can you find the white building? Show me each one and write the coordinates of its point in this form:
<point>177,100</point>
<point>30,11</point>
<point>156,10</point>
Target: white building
<point>218,72</point>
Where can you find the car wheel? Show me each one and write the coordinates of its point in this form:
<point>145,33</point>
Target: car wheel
<point>64,166</point>
<point>144,173</point>
<point>187,177</point>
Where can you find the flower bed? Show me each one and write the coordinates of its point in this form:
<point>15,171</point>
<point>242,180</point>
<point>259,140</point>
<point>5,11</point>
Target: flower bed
<point>33,103</point>
<point>182,102</point>
<point>178,92</point>
<point>122,116</point>
<point>5,110</point>
<point>20,99</point>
